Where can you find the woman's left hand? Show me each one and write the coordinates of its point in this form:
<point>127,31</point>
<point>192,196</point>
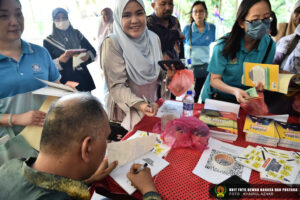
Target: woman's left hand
<point>170,72</point>
<point>85,57</point>
<point>151,112</point>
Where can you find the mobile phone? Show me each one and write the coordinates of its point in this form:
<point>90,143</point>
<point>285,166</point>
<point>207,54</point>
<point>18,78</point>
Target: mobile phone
<point>176,62</point>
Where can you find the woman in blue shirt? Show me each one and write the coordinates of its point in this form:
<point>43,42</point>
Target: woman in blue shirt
<point>199,34</point>
<point>248,41</point>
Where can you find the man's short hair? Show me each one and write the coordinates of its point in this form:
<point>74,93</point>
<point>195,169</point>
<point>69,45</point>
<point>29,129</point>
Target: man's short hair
<point>70,120</point>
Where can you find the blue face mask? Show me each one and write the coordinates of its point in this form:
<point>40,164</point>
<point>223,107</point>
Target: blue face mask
<point>257,29</point>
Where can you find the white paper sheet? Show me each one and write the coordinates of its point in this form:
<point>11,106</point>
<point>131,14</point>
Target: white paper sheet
<point>54,89</point>
<point>129,150</point>
<point>58,86</point>
<point>280,118</point>
<point>208,172</point>
<point>170,107</point>
<point>222,106</point>
<point>160,149</point>
<point>155,163</point>
<point>77,59</point>
<point>97,196</point>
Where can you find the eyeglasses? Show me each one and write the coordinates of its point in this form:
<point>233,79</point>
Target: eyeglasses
<point>198,11</point>
<point>266,21</point>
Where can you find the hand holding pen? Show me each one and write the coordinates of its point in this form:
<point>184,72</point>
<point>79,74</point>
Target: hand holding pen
<point>148,108</point>
<point>140,177</point>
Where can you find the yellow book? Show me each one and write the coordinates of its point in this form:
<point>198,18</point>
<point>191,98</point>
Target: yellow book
<point>290,132</point>
<point>268,74</point>
<point>261,126</point>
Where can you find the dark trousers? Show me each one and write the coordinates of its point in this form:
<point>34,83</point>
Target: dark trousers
<point>198,86</point>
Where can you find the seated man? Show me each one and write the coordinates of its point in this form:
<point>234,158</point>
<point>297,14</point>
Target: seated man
<point>72,149</point>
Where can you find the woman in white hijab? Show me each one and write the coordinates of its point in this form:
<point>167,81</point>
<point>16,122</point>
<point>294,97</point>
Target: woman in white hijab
<point>129,58</point>
<point>106,24</point>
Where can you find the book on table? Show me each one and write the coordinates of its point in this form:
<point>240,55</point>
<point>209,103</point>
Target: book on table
<point>289,135</point>
<point>222,124</point>
<point>261,130</point>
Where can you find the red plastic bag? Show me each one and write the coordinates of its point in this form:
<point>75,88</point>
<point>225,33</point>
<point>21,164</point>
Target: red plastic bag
<point>181,82</point>
<point>186,132</point>
<point>296,102</point>
<point>256,106</point>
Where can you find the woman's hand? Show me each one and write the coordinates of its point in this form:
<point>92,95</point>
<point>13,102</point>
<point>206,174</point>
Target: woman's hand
<point>170,72</point>
<point>63,58</point>
<point>85,58</point>
<point>142,180</point>
<point>151,112</point>
<point>241,95</point>
<point>33,117</point>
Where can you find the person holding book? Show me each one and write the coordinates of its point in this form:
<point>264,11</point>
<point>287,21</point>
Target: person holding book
<point>21,63</point>
<point>66,42</point>
<point>199,34</point>
<point>248,41</point>
<point>134,71</point>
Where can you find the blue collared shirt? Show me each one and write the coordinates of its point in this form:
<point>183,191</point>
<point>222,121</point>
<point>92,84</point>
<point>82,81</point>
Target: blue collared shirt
<point>200,42</point>
<point>232,69</point>
<point>18,80</point>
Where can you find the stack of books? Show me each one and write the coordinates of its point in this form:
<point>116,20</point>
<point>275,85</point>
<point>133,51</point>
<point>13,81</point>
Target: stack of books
<point>289,135</point>
<point>261,130</point>
<point>222,124</point>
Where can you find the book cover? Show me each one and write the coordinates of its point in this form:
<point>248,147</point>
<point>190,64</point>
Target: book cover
<point>289,132</point>
<point>260,126</point>
<point>220,121</point>
<point>266,73</point>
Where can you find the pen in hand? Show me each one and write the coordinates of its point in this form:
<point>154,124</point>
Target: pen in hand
<point>141,169</point>
<point>147,101</point>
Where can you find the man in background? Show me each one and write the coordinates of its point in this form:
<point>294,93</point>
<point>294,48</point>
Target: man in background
<point>72,150</point>
<point>167,27</point>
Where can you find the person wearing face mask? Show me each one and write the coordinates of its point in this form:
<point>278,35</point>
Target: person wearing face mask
<point>129,59</point>
<point>63,38</point>
<point>248,41</point>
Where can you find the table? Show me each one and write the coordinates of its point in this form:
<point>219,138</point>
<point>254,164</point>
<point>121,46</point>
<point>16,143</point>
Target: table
<point>177,180</point>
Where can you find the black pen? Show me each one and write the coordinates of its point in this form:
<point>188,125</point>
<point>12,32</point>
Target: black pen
<point>265,149</point>
<point>147,101</point>
<point>263,154</point>
<point>141,169</point>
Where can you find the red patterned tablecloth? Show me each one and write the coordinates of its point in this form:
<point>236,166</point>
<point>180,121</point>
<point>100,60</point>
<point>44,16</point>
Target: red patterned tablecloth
<point>177,180</point>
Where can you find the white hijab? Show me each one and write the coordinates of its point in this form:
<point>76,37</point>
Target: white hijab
<point>141,54</point>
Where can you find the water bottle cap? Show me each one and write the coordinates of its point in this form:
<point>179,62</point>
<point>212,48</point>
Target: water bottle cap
<point>189,92</point>
<point>189,61</point>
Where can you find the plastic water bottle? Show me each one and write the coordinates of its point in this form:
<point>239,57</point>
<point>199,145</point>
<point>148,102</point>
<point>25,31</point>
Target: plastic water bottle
<point>188,104</point>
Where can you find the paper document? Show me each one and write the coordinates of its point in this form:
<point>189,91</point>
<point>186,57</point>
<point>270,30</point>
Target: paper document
<point>160,149</point>
<point>279,118</point>
<point>170,107</point>
<point>219,163</point>
<point>54,89</point>
<point>129,150</point>
<point>77,59</point>
<point>32,134</point>
<point>155,163</point>
<point>288,82</point>
<point>211,104</point>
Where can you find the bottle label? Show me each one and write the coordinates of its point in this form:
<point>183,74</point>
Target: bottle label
<point>188,106</point>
